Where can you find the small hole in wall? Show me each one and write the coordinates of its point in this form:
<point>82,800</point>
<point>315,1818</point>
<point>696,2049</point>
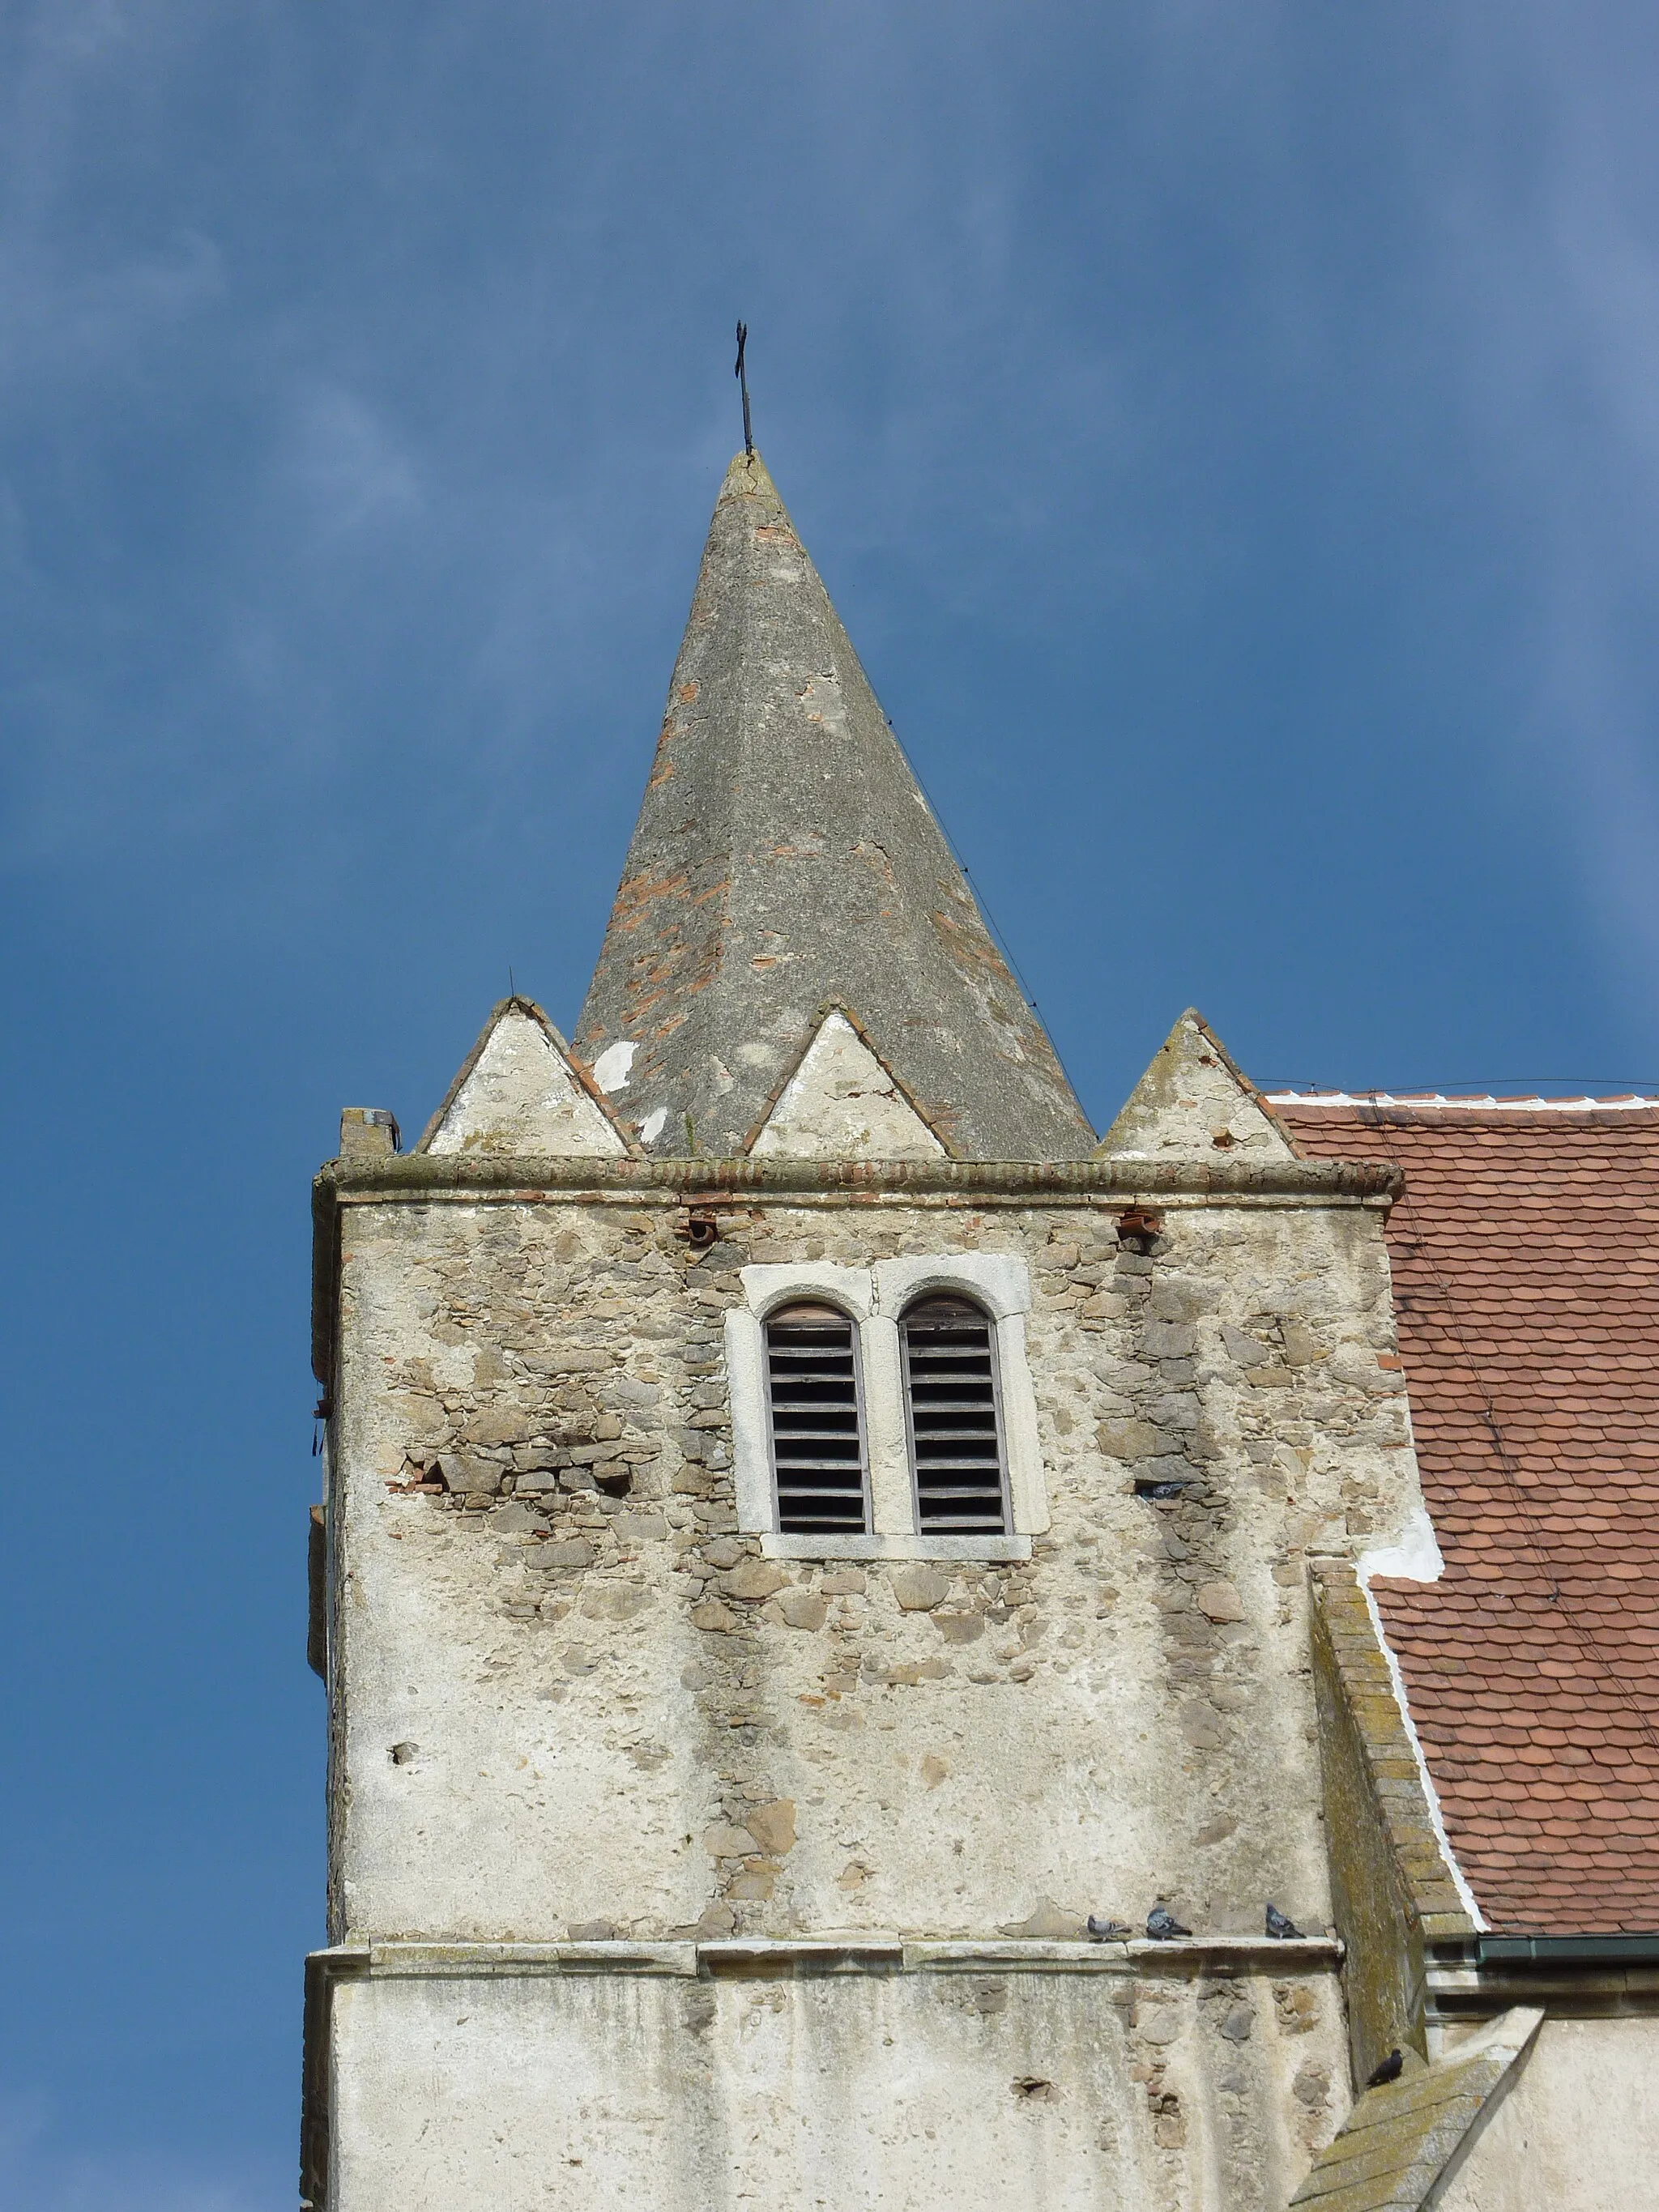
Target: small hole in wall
<point>403,1753</point>
<point>1162,1490</point>
<point>614,1485</point>
<point>1032,2089</point>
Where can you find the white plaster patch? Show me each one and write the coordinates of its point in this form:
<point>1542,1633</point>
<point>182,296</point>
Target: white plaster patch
<point>522,1096</point>
<point>1412,1556</point>
<point>652,1127</point>
<point>610,1068</point>
<point>841,1104</point>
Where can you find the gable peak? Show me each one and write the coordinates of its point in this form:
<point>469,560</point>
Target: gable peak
<point>520,1092</point>
<point>842,1101</point>
<point>1194,1102</point>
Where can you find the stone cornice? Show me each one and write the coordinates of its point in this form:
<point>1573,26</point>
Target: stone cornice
<point>417,1175</point>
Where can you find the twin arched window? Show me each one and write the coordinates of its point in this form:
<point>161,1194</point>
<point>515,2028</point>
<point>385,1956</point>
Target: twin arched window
<point>953,1420</point>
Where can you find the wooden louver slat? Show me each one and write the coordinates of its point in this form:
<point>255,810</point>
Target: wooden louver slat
<point>817,1423</point>
<point>955,1425</point>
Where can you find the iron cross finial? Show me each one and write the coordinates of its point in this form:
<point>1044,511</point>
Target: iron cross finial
<point>742,375</point>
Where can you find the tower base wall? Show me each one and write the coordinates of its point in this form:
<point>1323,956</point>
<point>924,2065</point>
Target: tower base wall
<point>931,2077</point>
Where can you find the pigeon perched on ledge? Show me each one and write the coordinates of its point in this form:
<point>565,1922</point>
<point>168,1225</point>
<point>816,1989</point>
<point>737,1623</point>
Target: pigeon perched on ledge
<point>1162,1925</point>
<point>1281,1927</point>
<point>1108,1931</point>
<point>1389,2070</point>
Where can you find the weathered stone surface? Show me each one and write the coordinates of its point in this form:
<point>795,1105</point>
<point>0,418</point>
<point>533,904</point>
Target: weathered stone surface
<point>1050,1921</point>
<point>1399,2140</point>
<point>1020,2089</point>
<point>569,1749</point>
<point>753,1580</point>
<point>1220,1602</point>
<point>918,1590</point>
<point>576,1552</point>
<point>1192,1102</point>
<point>724,1841</point>
<point>518,1094</point>
<point>841,1104</point>
<point>774,746</point>
<point>773,1826</point>
<point>802,1609</point>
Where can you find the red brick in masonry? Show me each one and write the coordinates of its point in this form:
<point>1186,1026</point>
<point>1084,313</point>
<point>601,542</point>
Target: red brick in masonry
<point>1526,1266</point>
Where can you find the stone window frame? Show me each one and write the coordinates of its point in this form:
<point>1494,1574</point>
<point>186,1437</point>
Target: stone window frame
<point>874,1298</point>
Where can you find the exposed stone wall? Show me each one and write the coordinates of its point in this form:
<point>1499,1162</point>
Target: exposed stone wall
<point>569,1696</point>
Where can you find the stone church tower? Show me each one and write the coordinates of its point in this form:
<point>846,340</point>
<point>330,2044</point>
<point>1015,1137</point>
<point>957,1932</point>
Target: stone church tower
<point>808,1526</point>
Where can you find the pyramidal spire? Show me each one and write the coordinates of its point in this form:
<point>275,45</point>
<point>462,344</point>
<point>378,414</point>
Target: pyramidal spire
<point>784,858</point>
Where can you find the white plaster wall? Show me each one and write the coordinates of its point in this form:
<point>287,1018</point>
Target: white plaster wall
<point>1576,2130</point>
<point>917,2092</point>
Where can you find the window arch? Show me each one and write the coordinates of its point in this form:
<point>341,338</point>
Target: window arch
<point>958,1454</point>
<point>820,1462</point>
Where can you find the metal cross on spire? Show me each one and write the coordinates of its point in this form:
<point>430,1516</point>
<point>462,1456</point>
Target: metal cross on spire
<point>741,374</point>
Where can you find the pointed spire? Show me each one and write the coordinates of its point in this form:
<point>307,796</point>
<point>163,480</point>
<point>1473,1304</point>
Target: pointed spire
<point>784,856</point>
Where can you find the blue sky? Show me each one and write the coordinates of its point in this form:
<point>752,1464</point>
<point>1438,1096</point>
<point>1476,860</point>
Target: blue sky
<point>1231,433</point>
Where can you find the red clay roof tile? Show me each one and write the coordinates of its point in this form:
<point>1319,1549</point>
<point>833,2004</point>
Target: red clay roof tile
<point>1526,1265</point>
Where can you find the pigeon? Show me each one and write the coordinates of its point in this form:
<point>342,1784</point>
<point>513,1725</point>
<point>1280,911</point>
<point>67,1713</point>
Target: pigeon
<point>1281,1927</point>
<point>1388,2071</point>
<point>1108,1931</point>
<point>1161,1925</point>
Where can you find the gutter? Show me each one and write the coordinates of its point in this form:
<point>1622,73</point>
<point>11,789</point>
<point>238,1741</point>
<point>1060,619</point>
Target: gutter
<point>1566,1950</point>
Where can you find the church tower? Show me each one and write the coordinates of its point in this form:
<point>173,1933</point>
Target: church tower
<point>814,1547</point>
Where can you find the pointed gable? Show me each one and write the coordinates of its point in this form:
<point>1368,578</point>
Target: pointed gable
<point>1193,1103</point>
<point>841,1103</point>
<point>520,1093</point>
<point>785,857</point>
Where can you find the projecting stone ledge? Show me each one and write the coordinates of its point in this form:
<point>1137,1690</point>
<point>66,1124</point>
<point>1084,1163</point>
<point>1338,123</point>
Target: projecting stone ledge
<point>1400,2140</point>
<point>1175,1181</point>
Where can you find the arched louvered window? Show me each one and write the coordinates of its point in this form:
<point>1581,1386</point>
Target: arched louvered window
<point>956,1449</point>
<point>817,1420</point>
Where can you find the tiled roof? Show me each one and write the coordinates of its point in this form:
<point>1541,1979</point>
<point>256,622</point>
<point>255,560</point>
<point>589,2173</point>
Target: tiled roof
<point>1526,1265</point>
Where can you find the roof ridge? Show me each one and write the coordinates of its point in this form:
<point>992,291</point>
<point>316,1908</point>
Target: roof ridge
<point>1515,1103</point>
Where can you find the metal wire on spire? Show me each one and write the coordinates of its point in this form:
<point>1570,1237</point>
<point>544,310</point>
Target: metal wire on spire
<point>742,375</point>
